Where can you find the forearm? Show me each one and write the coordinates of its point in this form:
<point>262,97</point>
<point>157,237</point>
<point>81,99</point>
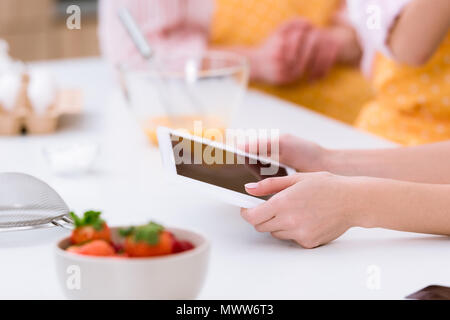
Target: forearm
<point>349,51</point>
<point>434,17</point>
<point>428,163</point>
<point>403,206</point>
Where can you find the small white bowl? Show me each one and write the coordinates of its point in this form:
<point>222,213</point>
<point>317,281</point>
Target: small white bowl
<point>71,158</point>
<point>176,276</point>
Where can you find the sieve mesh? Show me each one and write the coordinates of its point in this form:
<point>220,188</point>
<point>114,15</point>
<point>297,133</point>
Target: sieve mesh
<point>28,201</point>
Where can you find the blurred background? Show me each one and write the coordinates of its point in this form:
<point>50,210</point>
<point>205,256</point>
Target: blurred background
<point>310,53</point>
<point>36,30</point>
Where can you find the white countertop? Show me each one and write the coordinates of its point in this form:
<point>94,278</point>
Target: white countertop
<point>129,187</point>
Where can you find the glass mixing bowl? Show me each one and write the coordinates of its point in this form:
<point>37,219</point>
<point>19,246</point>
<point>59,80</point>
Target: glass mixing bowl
<point>198,93</point>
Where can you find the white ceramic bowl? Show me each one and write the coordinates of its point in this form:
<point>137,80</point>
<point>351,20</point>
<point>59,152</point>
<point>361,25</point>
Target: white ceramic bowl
<point>177,276</point>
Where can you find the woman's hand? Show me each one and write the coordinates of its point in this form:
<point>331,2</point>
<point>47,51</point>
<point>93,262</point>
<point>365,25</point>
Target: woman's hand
<point>310,208</point>
<point>273,60</point>
<point>315,208</point>
<point>295,50</point>
<point>297,153</point>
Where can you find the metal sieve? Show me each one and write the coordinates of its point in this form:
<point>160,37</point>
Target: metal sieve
<point>29,203</point>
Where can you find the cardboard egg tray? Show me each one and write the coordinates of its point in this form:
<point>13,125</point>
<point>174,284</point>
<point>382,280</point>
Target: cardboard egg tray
<point>23,119</point>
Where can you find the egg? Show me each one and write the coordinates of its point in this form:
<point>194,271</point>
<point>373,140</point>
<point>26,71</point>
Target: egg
<point>10,84</point>
<point>7,64</point>
<point>41,90</point>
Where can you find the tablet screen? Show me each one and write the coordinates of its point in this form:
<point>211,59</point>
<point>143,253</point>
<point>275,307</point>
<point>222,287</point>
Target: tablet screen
<point>219,167</point>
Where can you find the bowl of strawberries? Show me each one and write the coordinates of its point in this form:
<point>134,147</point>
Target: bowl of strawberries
<point>134,262</point>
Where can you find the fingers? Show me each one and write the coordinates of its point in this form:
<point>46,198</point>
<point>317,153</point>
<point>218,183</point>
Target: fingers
<point>293,40</point>
<point>289,25</point>
<point>306,55</point>
<point>288,235</point>
<point>259,214</point>
<point>264,211</point>
<point>285,44</point>
<point>325,57</point>
<point>278,74</point>
<point>282,235</point>
<point>260,147</point>
<point>271,225</point>
<point>268,209</point>
<point>298,46</point>
<point>281,221</point>
<point>296,23</point>
<point>313,63</point>
<point>281,149</point>
<point>271,185</point>
<point>299,42</point>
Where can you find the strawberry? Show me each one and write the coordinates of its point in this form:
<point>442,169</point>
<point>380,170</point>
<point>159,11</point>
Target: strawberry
<point>90,227</point>
<point>99,248</point>
<point>147,241</point>
<point>180,246</point>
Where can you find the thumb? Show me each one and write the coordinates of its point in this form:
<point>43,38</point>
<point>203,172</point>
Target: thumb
<point>271,185</point>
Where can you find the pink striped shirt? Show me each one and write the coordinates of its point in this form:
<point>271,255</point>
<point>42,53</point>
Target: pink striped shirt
<point>167,25</point>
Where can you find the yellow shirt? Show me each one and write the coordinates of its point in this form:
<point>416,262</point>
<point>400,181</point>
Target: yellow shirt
<point>412,104</point>
<point>249,22</point>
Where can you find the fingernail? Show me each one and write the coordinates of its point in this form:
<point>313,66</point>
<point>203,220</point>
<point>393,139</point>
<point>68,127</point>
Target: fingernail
<point>252,185</point>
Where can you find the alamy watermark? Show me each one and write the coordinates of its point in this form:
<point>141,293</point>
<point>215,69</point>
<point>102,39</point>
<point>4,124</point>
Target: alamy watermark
<point>73,21</point>
<point>73,281</point>
<point>373,280</point>
<point>261,142</point>
<point>373,21</point>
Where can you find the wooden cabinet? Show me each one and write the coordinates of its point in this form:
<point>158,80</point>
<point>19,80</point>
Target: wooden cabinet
<point>36,30</point>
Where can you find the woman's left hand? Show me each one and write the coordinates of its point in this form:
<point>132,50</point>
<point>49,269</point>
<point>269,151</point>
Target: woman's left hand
<point>310,208</point>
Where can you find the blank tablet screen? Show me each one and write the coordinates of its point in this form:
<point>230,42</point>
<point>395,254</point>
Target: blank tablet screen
<point>219,167</point>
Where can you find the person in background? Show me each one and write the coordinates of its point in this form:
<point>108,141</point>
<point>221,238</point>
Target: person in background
<point>406,188</point>
<point>411,70</point>
<point>169,26</point>
<point>300,50</point>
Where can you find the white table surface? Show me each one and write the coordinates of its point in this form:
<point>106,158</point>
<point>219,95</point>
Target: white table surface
<point>129,187</point>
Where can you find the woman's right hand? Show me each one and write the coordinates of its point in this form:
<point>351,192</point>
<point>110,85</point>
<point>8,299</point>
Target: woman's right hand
<point>295,152</point>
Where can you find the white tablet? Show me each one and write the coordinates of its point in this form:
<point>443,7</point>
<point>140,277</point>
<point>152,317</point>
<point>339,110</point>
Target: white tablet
<point>215,168</point>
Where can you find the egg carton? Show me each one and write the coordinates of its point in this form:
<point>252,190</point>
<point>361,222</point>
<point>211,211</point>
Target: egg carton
<point>24,119</point>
